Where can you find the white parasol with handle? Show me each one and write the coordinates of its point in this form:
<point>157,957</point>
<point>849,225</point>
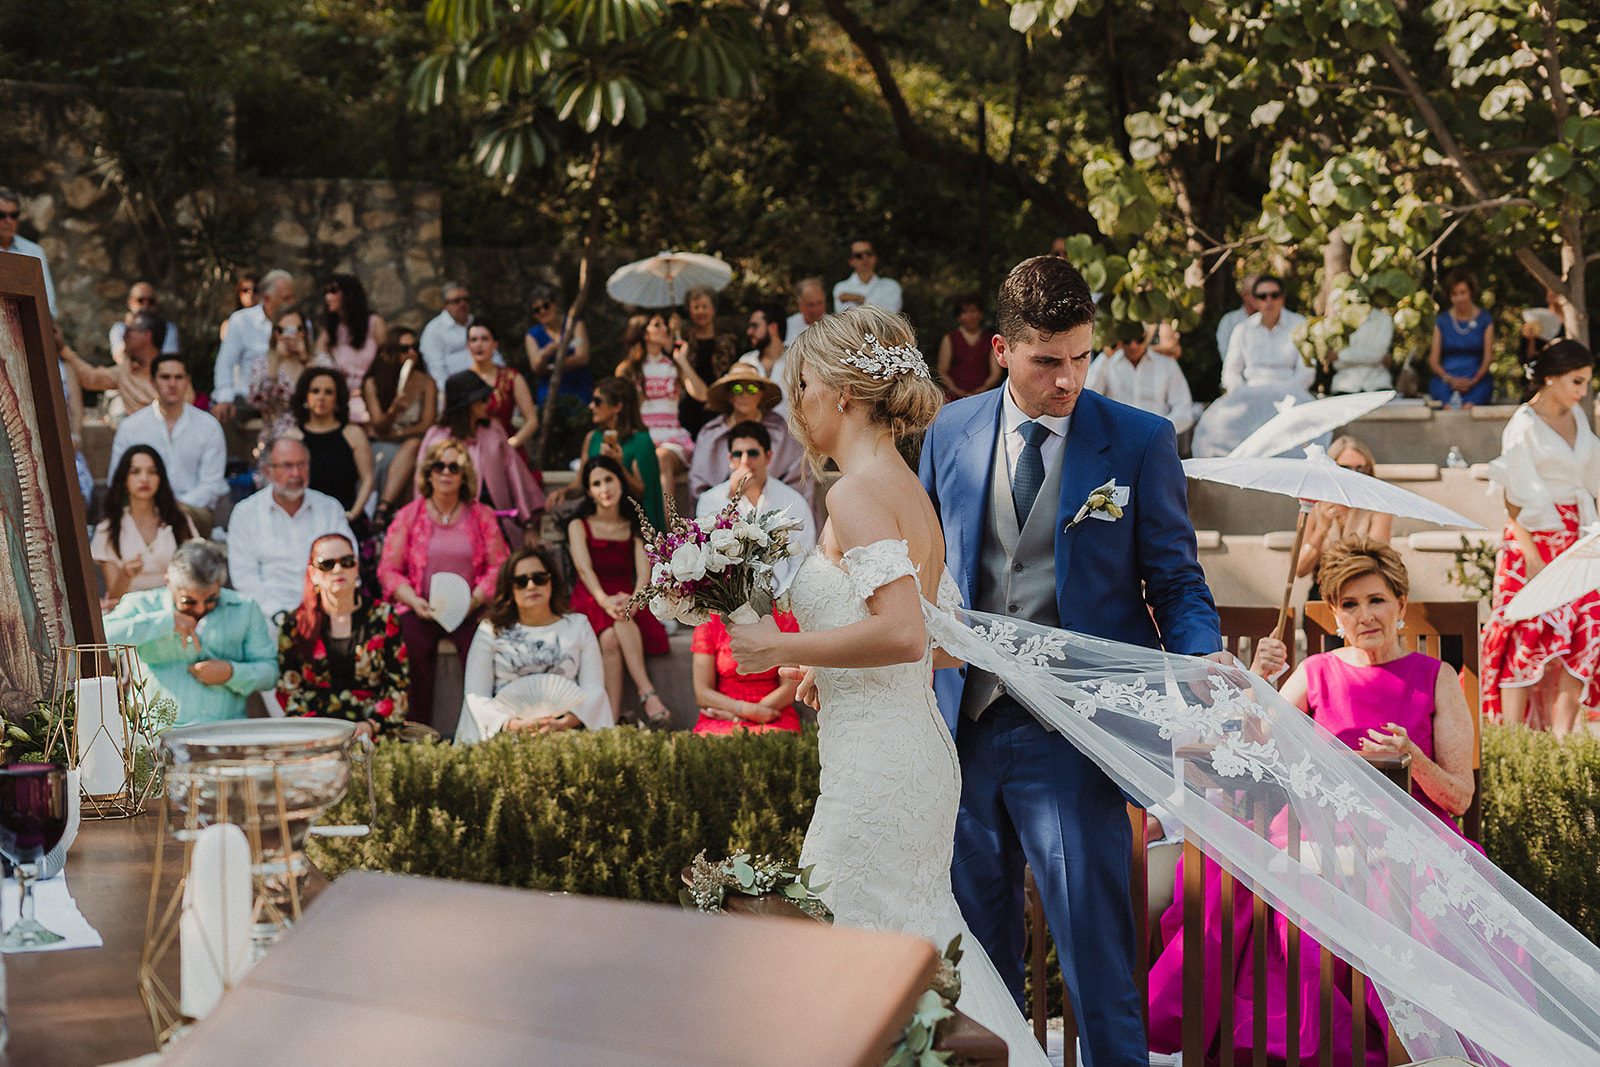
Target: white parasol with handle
<point>1295,424</point>
<point>1573,574</point>
<point>1318,479</point>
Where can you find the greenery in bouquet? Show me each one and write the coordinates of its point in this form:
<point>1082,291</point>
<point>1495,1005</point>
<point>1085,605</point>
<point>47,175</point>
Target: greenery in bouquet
<point>716,564</point>
<point>754,876</point>
<point>1473,569</point>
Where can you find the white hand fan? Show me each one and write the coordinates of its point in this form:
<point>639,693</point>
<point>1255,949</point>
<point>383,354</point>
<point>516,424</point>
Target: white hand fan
<point>540,695</point>
<point>450,598</point>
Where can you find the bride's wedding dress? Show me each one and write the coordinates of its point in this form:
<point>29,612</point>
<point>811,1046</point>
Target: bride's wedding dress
<point>883,833</point>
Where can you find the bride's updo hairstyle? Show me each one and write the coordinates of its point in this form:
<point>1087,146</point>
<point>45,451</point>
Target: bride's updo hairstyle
<point>870,355</point>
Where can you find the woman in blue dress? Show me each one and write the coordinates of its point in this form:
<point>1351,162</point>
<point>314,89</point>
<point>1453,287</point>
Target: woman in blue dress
<point>1463,344</point>
<point>541,342</point>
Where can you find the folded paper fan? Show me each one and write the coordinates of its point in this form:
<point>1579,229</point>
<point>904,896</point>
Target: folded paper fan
<point>450,598</point>
<point>1548,321</point>
<point>540,695</point>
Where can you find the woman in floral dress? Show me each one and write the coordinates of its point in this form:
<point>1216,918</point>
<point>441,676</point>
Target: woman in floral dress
<point>340,654</point>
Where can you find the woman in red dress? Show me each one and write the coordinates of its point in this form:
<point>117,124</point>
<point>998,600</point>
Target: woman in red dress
<point>607,546</point>
<point>510,393</point>
<point>966,355</point>
<point>730,701</point>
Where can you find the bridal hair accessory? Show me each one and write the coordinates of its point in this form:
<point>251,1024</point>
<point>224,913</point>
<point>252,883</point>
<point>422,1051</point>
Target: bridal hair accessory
<point>884,363</point>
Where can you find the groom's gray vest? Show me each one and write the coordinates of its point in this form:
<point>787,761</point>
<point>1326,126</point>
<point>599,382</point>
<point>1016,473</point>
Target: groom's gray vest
<point>1017,568</point>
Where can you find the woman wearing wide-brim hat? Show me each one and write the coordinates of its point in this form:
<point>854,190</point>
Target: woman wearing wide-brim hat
<point>507,481</point>
<point>744,394</point>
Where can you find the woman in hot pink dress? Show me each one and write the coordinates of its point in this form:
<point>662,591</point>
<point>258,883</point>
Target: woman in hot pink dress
<point>1379,699</point>
<point>730,701</point>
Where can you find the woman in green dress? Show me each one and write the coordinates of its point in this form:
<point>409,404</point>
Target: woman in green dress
<point>619,433</point>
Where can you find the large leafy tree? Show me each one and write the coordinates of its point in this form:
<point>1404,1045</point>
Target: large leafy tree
<point>1398,134</point>
<point>582,84</point>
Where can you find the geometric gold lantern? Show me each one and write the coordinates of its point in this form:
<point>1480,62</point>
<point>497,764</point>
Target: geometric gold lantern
<point>100,712</point>
<point>241,797</point>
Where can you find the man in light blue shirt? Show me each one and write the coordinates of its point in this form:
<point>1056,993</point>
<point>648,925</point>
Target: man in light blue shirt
<point>10,213</point>
<point>249,337</point>
<point>204,646</point>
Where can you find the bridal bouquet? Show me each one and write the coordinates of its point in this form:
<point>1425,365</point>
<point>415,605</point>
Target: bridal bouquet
<point>720,564</point>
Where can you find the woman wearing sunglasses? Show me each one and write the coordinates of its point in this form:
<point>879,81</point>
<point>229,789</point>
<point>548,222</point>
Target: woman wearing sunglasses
<point>273,380</point>
<point>540,344</point>
<point>530,629</point>
<point>445,530</point>
<point>659,366</point>
<point>339,654</point>
<point>745,395</point>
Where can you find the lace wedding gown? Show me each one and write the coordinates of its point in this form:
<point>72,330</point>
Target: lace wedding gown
<point>883,833</point>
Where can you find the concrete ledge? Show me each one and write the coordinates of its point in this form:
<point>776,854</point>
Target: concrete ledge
<point>1408,472</point>
<point>1400,411</point>
<point>1208,540</point>
<point>1278,540</point>
<point>1450,540</point>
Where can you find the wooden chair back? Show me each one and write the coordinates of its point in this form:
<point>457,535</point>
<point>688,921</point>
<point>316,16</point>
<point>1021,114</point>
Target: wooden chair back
<point>1243,627</point>
<point>1427,624</point>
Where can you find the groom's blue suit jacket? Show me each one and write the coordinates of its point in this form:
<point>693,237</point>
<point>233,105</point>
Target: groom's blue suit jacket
<point>1137,579</point>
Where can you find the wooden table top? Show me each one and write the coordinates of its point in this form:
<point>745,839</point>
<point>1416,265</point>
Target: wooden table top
<point>82,1006</point>
<point>389,969</point>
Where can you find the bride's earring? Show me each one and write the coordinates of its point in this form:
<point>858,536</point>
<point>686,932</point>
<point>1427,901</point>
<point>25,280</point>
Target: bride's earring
<point>840,406</point>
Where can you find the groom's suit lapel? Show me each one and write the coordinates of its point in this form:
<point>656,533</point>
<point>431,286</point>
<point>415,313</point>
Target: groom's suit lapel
<point>1086,466</point>
<point>973,463</point>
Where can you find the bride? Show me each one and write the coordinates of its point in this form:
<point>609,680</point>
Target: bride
<point>883,832</point>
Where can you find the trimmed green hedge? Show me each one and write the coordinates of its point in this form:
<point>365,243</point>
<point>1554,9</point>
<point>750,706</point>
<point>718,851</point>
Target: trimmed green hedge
<point>621,812</point>
<point>1541,818</point>
<point>616,813</point>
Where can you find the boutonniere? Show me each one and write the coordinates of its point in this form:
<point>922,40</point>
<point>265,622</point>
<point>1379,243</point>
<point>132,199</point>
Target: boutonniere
<point>1105,503</point>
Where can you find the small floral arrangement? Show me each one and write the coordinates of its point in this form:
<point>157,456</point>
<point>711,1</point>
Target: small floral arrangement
<point>1105,503</point>
<point>720,564</point>
<point>753,876</point>
<point>1473,569</point>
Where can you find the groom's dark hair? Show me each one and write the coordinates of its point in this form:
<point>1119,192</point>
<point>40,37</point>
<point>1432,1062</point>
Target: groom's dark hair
<point>1045,294</point>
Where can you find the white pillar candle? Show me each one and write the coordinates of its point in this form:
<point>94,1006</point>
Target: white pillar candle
<point>214,927</point>
<point>100,736</point>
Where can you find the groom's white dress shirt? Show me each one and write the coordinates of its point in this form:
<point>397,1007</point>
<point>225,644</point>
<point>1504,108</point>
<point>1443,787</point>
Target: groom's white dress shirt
<point>1011,419</point>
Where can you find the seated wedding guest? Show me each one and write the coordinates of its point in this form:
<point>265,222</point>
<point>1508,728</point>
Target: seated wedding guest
<point>619,433</point>
<point>506,482</point>
<point>403,400</point>
<point>341,458</point>
<point>142,529</point>
<point>142,297</point>
<point>743,395</point>
<point>193,449</point>
<point>244,296</point>
<point>1333,522</point>
<point>273,379</point>
<point>206,647</point>
<point>966,357</point>
<point>1543,327</point>
<point>1140,377</point>
<point>811,303</point>
<point>350,335</point>
<point>1362,366</point>
<point>659,368</point>
<point>711,351</point>
<point>540,345</point>
<point>245,341</point>
<point>340,653</point>
<point>130,380</point>
<point>444,531</point>
<point>607,548</point>
<point>730,701</point>
<point>749,455</point>
<point>765,331</point>
<point>1261,367</point>
<point>510,394</point>
<point>530,629</point>
<point>271,532</point>
<point>1380,700</point>
<point>1462,352</point>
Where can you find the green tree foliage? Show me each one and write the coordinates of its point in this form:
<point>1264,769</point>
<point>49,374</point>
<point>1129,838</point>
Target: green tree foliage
<point>1397,134</point>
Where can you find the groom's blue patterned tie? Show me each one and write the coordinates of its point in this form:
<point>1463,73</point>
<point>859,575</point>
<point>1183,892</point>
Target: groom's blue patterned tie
<point>1029,477</point>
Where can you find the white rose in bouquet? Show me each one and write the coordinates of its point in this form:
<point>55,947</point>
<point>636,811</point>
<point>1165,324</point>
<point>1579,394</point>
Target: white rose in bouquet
<point>726,543</point>
<point>749,531</point>
<point>688,563</point>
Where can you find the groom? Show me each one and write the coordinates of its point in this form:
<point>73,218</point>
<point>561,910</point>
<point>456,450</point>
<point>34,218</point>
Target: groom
<point>1008,470</point>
